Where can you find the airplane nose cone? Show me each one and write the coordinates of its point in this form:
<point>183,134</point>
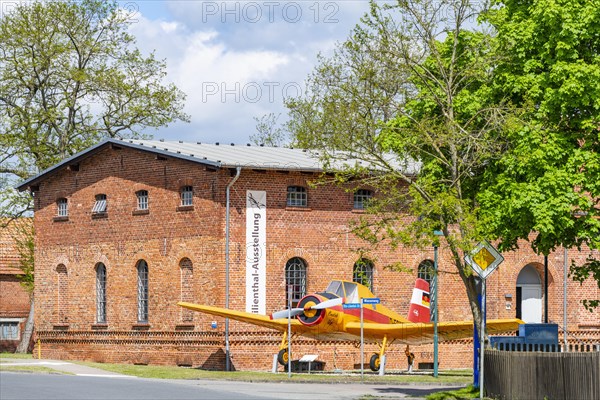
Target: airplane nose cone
<point>308,311</point>
<point>310,316</point>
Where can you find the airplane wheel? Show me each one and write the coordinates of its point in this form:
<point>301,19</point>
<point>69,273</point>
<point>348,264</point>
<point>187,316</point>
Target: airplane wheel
<point>375,362</point>
<point>283,357</point>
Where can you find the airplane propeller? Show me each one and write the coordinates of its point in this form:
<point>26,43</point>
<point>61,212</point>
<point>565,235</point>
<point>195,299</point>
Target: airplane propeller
<point>284,313</point>
<point>297,311</point>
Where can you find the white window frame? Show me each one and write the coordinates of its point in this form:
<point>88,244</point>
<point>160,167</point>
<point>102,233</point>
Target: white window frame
<point>101,204</point>
<point>142,199</point>
<point>62,207</point>
<point>187,196</point>
<point>4,323</point>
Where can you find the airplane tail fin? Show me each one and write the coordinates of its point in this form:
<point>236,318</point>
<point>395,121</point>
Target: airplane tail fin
<point>419,302</point>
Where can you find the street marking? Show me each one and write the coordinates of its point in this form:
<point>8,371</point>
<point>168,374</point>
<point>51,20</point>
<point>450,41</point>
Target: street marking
<point>107,376</point>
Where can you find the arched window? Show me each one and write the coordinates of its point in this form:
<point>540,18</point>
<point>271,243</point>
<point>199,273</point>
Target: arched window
<point>363,273</point>
<point>100,293</point>
<point>361,198</point>
<point>295,280</point>
<point>142,291</point>
<point>63,294</point>
<point>187,295</point>
<point>297,196</point>
<point>426,271</point>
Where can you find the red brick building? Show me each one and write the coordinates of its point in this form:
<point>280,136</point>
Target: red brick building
<point>14,299</point>
<point>126,229</point>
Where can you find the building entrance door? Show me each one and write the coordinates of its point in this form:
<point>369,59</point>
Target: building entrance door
<point>529,296</point>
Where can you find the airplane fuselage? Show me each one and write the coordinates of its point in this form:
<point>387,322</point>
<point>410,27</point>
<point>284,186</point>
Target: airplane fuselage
<point>330,323</point>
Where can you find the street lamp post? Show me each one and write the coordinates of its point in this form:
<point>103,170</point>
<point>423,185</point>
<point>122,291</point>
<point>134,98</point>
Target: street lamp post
<point>434,312</point>
<point>434,297</point>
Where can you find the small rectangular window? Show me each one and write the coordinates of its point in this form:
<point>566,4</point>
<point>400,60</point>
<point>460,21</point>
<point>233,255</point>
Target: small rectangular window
<point>187,196</point>
<point>361,198</point>
<point>9,330</point>
<point>142,199</point>
<point>100,206</point>
<point>297,196</point>
<point>62,207</point>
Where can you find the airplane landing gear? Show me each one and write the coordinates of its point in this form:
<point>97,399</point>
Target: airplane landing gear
<point>375,362</point>
<point>376,358</point>
<point>283,357</point>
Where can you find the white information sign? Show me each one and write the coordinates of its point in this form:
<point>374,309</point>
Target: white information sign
<point>256,256</point>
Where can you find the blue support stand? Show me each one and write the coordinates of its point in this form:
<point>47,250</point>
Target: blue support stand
<point>476,347</point>
<point>476,341</point>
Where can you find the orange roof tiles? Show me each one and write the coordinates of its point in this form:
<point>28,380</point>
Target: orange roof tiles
<point>9,255</point>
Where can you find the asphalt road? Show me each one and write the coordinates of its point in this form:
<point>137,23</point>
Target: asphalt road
<point>26,386</point>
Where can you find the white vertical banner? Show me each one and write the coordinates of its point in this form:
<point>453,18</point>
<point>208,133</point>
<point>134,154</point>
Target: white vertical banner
<point>256,255</point>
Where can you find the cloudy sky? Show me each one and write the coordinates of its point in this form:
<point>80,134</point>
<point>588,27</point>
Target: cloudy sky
<point>237,60</point>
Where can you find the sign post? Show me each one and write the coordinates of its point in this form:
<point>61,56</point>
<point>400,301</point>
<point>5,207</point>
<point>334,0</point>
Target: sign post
<point>289,338</point>
<point>484,259</point>
<point>363,301</point>
<point>362,339</point>
<point>434,301</point>
<point>434,313</point>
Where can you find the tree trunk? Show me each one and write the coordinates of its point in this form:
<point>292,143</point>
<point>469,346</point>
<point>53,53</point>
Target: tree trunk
<point>26,338</point>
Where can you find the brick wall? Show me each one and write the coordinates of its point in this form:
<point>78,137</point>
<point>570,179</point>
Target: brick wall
<point>184,250</point>
<point>14,299</point>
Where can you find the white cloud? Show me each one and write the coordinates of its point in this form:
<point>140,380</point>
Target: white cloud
<point>234,65</point>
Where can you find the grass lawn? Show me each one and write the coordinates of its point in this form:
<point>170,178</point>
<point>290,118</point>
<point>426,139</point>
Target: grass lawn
<point>467,393</point>
<point>15,355</point>
<point>170,372</point>
<point>30,368</point>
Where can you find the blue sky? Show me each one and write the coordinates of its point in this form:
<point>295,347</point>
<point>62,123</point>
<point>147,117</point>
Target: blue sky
<point>237,60</point>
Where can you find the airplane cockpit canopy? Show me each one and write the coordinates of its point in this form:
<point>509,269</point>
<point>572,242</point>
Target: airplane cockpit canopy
<point>343,289</point>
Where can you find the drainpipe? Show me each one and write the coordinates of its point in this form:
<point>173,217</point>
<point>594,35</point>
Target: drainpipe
<point>565,321</point>
<point>235,178</point>
<point>545,289</point>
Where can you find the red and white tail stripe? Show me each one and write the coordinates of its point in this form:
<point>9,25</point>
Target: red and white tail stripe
<point>419,302</point>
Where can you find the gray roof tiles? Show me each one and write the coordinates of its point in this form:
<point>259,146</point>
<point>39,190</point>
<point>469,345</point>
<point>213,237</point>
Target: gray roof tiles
<point>225,156</point>
<point>228,155</point>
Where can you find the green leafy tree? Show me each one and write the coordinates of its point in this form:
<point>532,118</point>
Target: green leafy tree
<point>548,181</point>
<point>268,133</point>
<point>410,90</point>
<point>70,75</point>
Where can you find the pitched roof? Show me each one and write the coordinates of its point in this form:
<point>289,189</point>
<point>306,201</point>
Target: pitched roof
<point>222,156</point>
<point>9,255</point>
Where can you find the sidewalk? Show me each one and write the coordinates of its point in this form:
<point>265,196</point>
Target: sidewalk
<point>62,366</point>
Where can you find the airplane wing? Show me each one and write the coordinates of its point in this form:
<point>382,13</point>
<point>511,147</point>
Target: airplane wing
<point>254,319</point>
<point>421,333</point>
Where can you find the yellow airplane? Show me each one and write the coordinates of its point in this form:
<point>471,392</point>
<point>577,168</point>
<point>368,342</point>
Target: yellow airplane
<point>322,316</point>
